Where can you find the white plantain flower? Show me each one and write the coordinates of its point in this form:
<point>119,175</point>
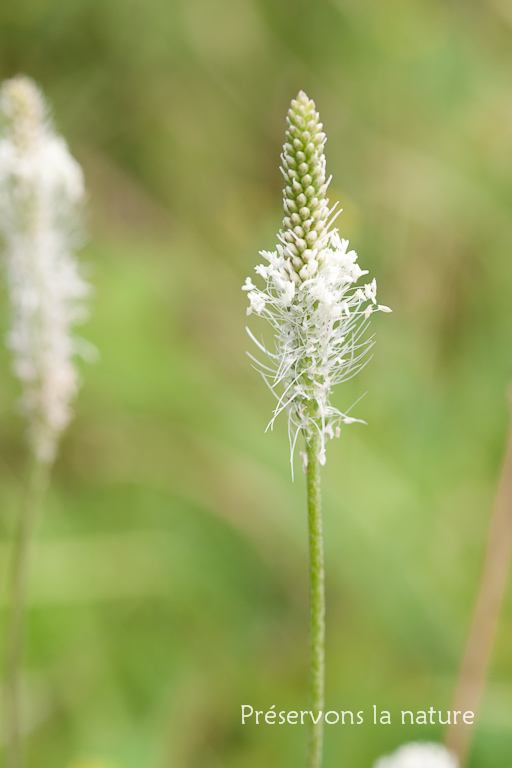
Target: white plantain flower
<point>419,755</point>
<point>41,189</point>
<point>310,297</point>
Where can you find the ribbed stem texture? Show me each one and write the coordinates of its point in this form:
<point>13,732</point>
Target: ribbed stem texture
<point>316,601</point>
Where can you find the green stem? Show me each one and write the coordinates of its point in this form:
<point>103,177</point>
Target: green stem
<point>21,557</point>
<point>316,601</point>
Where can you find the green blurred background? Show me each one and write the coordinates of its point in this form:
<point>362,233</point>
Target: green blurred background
<point>170,582</point>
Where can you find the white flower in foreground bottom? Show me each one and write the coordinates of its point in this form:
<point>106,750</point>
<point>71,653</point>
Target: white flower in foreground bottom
<point>419,755</point>
<point>41,188</point>
<point>318,315</point>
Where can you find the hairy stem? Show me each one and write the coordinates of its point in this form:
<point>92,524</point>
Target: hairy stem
<point>21,557</point>
<point>316,601</point>
<point>473,671</point>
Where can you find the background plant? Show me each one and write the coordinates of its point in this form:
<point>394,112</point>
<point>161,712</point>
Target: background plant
<point>41,192</point>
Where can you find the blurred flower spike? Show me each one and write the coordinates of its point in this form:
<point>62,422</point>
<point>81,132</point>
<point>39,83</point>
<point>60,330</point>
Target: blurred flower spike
<point>419,755</point>
<point>310,297</point>
<point>41,191</point>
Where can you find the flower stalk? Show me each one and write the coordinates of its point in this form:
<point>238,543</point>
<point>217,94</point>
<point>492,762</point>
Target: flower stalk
<point>316,600</point>
<point>319,317</point>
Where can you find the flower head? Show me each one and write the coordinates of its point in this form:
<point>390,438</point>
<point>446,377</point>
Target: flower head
<point>310,297</point>
<point>41,189</point>
<point>419,755</point>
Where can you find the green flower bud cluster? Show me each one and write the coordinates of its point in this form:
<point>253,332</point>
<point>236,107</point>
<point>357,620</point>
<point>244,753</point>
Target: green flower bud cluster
<point>305,204</point>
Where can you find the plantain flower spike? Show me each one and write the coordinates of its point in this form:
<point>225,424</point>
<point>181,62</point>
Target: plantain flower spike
<point>41,191</point>
<point>419,755</point>
<point>310,297</point>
